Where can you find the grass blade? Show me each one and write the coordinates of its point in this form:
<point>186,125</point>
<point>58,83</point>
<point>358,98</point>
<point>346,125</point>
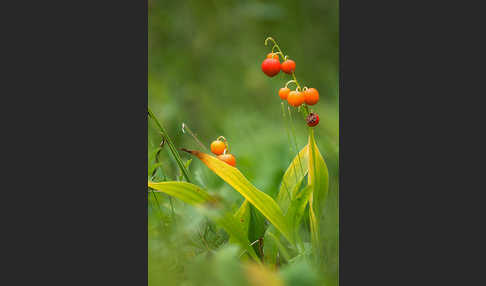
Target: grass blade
<point>261,201</point>
<point>172,148</point>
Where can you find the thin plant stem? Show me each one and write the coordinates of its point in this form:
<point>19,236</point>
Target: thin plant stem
<point>290,144</point>
<point>275,45</point>
<point>296,81</point>
<point>172,148</point>
<point>186,128</point>
<point>295,141</point>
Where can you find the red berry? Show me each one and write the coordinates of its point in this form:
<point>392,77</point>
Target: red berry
<point>288,66</point>
<point>271,67</point>
<point>312,119</point>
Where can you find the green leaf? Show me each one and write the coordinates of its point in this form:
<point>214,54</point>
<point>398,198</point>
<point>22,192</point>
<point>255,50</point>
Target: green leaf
<point>297,208</point>
<point>270,247</point>
<point>232,226</point>
<point>293,176</point>
<point>318,180</point>
<point>257,225</point>
<point>206,204</point>
<point>243,217</point>
<point>273,245</point>
<point>186,192</point>
<point>263,202</point>
<point>252,222</point>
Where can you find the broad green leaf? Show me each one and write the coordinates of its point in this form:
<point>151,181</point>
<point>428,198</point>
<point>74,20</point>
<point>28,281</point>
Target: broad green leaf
<point>314,228</point>
<point>257,225</point>
<point>252,222</point>
<point>318,174</point>
<point>271,250</point>
<point>205,203</point>
<point>263,202</point>
<point>293,176</point>
<point>232,226</point>
<point>272,246</point>
<point>297,208</point>
<point>243,217</point>
<point>318,180</point>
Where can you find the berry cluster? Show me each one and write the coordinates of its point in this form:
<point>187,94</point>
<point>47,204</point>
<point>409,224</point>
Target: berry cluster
<point>271,65</point>
<point>220,148</point>
<point>309,96</point>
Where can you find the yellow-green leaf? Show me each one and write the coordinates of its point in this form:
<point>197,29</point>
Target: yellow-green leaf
<point>318,180</point>
<point>186,192</point>
<point>297,208</point>
<point>261,201</point>
<point>272,246</point>
<point>242,216</point>
<point>232,226</point>
<point>293,176</point>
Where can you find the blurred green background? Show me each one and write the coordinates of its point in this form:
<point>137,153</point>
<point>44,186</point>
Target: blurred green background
<point>204,71</point>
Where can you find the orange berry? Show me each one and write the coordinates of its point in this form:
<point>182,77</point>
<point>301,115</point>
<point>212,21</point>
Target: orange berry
<point>273,56</point>
<point>217,147</point>
<point>228,158</point>
<point>295,98</point>
<point>311,96</point>
<point>288,66</point>
<point>284,93</point>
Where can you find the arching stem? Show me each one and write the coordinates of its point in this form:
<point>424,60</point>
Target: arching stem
<point>221,138</point>
<point>185,129</point>
<point>275,45</point>
<point>305,108</point>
